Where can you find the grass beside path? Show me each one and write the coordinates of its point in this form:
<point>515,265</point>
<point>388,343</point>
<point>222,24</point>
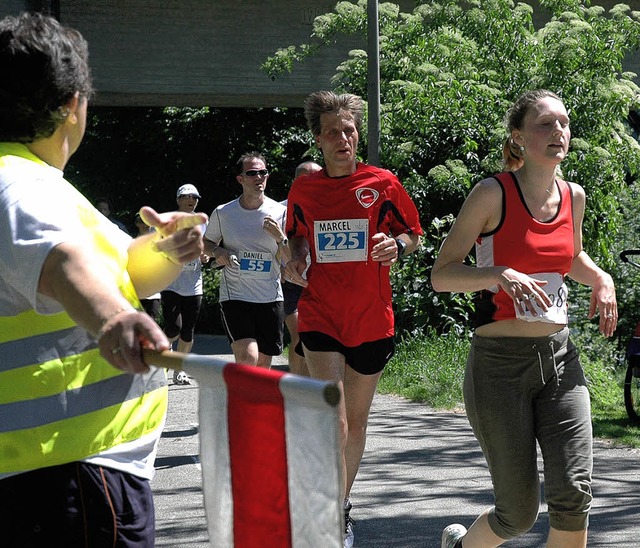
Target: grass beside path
<point>431,369</point>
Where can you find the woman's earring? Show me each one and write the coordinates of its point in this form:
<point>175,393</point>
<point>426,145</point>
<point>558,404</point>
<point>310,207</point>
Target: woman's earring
<point>521,148</point>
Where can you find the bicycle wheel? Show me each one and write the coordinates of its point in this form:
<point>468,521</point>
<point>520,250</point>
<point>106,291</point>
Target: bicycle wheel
<point>632,391</point>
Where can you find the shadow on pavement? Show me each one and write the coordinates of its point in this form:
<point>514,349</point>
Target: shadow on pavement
<point>422,470</point>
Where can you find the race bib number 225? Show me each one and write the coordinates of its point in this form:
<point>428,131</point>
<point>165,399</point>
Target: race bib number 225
<point>341,240</point>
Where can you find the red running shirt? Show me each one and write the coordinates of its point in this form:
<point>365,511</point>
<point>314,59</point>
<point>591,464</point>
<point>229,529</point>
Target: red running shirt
<point>525,244</point>
<point>349,295</point>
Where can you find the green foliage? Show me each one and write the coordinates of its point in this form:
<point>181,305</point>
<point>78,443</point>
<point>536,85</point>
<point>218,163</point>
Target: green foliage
<point>412,288</point>
<point>448,72</point>
<point>627,282</point>
<point>428,369</point>
<point>209,320</point>
<point>627,277</point>
<point>140,156</point>
<point>601,363</point>
<point>145,154</point>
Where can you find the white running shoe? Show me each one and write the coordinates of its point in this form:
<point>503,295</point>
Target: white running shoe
<point>452,534</point>
<point>348,525</point>
<point>348,535</point>
<point>180,377</point>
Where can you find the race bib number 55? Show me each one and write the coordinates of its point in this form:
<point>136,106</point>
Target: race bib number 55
<point>255,264</point>
<point>341,240</point>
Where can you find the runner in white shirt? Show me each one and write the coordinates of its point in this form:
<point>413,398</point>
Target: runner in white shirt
<point>239,238</point>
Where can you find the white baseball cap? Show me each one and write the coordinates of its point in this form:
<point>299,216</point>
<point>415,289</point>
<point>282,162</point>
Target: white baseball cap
<point>188,189</point>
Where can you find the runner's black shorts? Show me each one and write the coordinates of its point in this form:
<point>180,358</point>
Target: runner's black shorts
<point>368,358</point>
<point>291,294</point>
<point>263,322</point>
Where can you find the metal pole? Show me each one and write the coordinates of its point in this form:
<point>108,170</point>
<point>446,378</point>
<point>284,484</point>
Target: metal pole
<point>373,84</point>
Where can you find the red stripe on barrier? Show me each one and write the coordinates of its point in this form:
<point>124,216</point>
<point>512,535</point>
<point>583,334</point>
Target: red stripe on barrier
<point>258,457</point>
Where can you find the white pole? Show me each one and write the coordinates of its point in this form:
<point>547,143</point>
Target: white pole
<point>373,83</point>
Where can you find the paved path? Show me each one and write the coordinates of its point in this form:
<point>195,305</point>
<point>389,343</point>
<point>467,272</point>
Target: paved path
<point>422,470</point>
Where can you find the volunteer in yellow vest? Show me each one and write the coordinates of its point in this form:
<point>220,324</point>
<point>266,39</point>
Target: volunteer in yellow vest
<point>80,412</point>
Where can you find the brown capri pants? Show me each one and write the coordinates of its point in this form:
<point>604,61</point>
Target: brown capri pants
<point>519,391</point>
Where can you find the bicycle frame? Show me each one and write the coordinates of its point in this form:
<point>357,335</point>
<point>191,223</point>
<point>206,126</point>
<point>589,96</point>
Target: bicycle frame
<point>633,351</point>
<point>632,376</point>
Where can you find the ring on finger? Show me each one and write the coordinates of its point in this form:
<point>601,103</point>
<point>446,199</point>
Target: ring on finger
<point>609,316</point>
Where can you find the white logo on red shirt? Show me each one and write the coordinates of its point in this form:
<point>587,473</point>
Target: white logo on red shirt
<point>367,196</point>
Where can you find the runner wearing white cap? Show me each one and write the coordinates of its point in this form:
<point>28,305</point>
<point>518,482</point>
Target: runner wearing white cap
<point>181,301</point>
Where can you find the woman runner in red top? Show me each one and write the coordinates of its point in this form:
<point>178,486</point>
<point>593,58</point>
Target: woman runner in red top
<point>524,383</point>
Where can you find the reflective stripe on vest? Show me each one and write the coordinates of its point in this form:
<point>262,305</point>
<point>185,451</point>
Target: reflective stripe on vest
<point>60,401</point>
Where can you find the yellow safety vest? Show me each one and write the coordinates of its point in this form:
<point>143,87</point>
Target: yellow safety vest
<point>60,401</point>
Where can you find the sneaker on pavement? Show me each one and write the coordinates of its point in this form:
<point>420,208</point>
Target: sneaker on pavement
<point>348,534</point>
<point>348,524</point>
<point>451,535</point>
<point>180,377</point>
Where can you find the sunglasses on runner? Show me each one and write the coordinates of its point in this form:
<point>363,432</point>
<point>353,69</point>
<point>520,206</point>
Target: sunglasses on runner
<point>254,172</point>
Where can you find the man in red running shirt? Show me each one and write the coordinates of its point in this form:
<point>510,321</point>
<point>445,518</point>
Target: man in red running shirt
<point>355,221</point>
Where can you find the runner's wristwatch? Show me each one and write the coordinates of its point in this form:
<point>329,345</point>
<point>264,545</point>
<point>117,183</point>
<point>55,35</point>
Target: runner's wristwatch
<point>402,247</point>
